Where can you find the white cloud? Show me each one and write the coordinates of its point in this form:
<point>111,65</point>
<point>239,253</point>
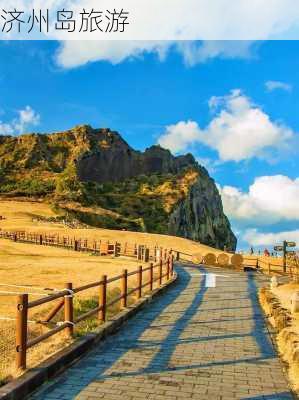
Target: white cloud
<point>6,129</point>
<point>194,52</point>
<point>176,20</point>
<point>227,28</point>
<point>72,54</point>
<point>269,200</point>
<point>257,238</point>
<point>27,117</point>
<point>191,19</point>
<point>179,137</point>
<point>239,130</point>
<point>210,164</point>
<point>278,85</point>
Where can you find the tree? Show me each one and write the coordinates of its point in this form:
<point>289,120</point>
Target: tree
<point>68,185</point>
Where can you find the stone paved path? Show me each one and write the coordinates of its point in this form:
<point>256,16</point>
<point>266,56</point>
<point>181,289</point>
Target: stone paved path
<point>192,343</point>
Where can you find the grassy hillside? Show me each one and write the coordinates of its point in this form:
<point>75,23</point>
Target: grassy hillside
<point>93,175</point>
<point>34,216</point>
<point>143,203</point>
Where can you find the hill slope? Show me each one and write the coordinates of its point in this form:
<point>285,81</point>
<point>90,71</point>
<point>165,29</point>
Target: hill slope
<point>95,176</point>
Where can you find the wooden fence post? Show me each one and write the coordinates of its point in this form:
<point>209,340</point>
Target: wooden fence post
<point>157,254</point>
<point>40,239</point>
<point>160,271</point>
<point>76,245</point>
<point>139,291</point>
<point>171,265</point>
<point>138,253</point>
<point>151,276</point>
<point>269,268</point>
<point>124,289</point>
<point>21,331</point>
<point>103,298</point>
<point>68,309</point>
<point>178,256</point>
<point>146,254</point>
<point>168,268</point>
<point>115,249</point>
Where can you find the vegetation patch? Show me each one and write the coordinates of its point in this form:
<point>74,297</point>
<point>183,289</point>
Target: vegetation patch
<point>287,337</point>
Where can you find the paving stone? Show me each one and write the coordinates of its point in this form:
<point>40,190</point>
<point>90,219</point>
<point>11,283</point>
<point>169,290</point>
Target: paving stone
<point>191,343</point>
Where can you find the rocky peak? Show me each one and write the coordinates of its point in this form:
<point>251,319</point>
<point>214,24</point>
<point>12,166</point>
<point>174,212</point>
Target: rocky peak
<point>102,155</point>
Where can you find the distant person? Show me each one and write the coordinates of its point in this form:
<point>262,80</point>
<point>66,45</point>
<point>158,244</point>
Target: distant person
<point>251,251</point>
<point>266,253</point>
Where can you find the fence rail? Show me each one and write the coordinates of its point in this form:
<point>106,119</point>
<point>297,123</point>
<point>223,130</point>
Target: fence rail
<point>98,247</point>
<point>164,273</point>
<point>159,270</point>
<point>292,265</point>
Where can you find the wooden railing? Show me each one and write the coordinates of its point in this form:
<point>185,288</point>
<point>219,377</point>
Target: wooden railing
<point>77,244</point>
<point>273,265</point>
<point>164,273</point>
<point>98,247</point>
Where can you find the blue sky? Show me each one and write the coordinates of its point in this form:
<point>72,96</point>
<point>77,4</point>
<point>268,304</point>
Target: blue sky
<point>185,97</point>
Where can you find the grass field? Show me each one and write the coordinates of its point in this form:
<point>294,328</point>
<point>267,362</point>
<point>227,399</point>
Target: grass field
<point>22,215</point>
<point>39,267</point>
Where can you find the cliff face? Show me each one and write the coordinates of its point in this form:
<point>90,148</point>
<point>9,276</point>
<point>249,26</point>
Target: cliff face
<point>154,189</point>
<point>113,160</point>
<point>100,155</point>
<point>199,216</point>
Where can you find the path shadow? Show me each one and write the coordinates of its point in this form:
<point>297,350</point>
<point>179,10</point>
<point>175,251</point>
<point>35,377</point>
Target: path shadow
<point>276,396</point>
<point>96,364</point>
<point>258,332</point>
<point>135,327</point>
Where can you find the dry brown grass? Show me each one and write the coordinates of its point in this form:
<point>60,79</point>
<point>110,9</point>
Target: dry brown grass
<point>41,266</point>
<point>288,336</point>
<point>276,263</point>
<point>19,216</point>
<point>50,267</point>
<point>287,341</point>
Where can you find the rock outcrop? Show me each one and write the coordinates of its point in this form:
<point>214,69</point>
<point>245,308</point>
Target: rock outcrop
<point>200,217</point>
<point>177,192</point>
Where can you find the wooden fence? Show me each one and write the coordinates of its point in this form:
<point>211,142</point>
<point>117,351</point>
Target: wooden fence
<point>98,247</point>
<point>273,265</point>
<point>164,273</point>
